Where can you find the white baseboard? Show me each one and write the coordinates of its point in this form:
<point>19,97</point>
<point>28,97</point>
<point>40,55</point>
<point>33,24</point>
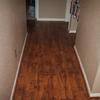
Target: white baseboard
<point>17,72</point>
<point>51,19</point>
<point>95,95</point>
<point>72,31</point>
<point>83,71</point>
<point>91,94</point>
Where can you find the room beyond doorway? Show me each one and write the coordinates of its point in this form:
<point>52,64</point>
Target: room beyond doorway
<point>47,10</point>
<point>51,10</point>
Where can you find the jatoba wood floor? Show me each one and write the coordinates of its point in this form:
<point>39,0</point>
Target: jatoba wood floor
<point>50,69</point>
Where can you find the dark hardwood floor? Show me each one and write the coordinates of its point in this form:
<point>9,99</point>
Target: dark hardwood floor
<point>50,69</point>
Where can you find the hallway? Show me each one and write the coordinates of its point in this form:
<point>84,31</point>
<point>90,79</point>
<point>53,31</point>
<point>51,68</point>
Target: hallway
<point>50,69</point>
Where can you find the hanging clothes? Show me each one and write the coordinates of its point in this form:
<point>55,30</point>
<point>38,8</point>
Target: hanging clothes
<point>31,10</point>
<point>75,8</point>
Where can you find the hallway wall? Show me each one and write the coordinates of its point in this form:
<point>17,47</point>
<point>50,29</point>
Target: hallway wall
<point>52,8</point>
<point>88,41</point>
<point>12,35</point>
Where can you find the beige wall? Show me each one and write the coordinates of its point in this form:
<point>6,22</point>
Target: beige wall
<point>88,40</point>
<point>12,34</point>
<point>96,85</point>
<point>52,8</point>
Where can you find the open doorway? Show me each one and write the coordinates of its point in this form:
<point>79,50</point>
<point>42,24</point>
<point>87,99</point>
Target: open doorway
<point>54,10</point>
<point>51,10</point>
<point>47,10</point>
<point>30,8</point>
<point>31,14</point>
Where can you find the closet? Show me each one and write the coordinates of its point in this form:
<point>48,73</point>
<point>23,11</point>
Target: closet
<point>74,16</point>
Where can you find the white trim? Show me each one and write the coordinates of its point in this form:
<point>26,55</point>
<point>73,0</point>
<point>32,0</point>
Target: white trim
<point>95,95</point>
<point>51,19</point>
<point>14,85</point>
<point>66,13</point>
<point>72,31</point>
<point>91,94</point>
<point>83,71</point>
<point>68,4</point>
<point>37,9</point>
<point>66,20</point>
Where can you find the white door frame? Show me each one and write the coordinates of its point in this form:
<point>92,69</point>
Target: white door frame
<point>68,5</point>
<point>66,19</point>
<point>37,9</point>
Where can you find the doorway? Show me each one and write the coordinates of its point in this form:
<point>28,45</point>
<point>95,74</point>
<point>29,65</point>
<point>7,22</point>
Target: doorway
<point>51,10</point>
<point>48,10</point>
<point>30,9</point>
